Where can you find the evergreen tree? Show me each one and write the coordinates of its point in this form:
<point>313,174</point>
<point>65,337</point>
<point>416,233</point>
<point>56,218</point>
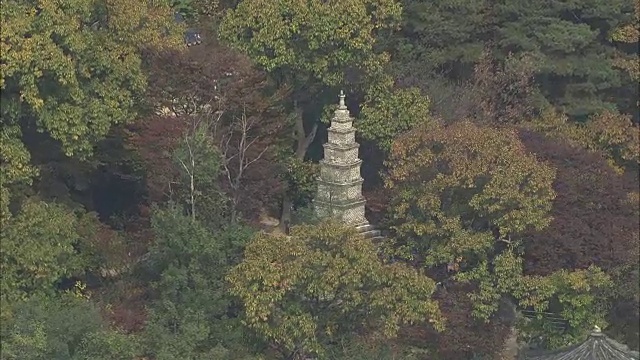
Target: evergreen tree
<point>576,62</point>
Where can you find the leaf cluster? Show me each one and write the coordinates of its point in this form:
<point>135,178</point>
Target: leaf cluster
<point>389,111</point>
<point>324,283</point>
<point>312,41</point>
<point>461,188</point>
<point>74,68</point>
<point>190,309</point>
<point>609,133</point>
<point>38,249</point>
<point>63,327</point>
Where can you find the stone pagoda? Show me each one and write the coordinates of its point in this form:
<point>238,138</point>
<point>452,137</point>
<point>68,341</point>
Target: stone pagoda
<point>340,184</point>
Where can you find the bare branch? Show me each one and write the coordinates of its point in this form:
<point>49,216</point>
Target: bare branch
<point>257,157</point>
<point>506,240</point>
<point>185,167</point>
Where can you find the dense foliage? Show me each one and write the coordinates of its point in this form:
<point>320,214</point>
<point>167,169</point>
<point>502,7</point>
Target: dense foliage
<point>149,189</point>
<point>323,284</point>
<point>575,45</point>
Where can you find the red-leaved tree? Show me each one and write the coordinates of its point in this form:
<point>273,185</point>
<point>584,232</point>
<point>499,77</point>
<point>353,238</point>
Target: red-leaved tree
<point>595,222</point>
<point>217,88</point>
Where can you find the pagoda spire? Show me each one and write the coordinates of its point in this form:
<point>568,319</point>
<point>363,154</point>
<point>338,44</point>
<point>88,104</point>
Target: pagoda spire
<point>340,184</point>
<point>341,104</point>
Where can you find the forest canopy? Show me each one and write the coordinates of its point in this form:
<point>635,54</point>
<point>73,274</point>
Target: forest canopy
<point>157,193</point>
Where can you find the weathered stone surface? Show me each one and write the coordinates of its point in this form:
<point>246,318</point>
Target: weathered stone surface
<point>340,184</point>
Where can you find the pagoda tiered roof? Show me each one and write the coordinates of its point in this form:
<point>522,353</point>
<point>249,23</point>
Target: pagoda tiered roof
<point>596,347</point>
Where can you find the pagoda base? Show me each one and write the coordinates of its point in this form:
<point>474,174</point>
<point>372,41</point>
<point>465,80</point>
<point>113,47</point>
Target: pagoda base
<point>350,214</point>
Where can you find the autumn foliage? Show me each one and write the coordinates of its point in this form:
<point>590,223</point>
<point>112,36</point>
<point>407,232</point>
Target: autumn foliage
<point>140,177</point>
<point>461,188</point>
<point>502,93</point>
<point>217,86</point>
<point>324,284</point>
<point>594,222</point>
<point>463,337</point>
<point>482,201</point>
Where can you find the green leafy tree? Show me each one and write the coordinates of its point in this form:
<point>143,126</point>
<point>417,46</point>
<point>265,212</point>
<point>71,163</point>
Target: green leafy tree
<point>567,42</point>
<point>198,161</point>
<point>286,37</point>
<point>576,68</point>
<point>579,297</point>
<point>463,188</point>
<point>108,345</point>
<point>15,168</point>
<point>609,133</point>
<point>325,283</point>
<point>103,250</point>
<point>65,326</point>
<point>189,315</point>
<point>75,68</point>
<point>311,47</point>
<point>301,178</point>
<point>441,36</point>
<point>389,111</point>
<point>38,250</point>
<point>71,70</point>
<point>628,33</point>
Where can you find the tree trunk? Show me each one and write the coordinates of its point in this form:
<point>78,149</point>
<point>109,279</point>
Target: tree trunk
<point>234,208</point>
<point>303,142</point>
<point>285,216</point>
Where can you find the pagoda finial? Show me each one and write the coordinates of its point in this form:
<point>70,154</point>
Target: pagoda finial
<point>596,332</point>
<point>341,105</point>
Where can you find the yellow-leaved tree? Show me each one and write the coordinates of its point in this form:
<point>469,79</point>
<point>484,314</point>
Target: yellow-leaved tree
<point>325,284</point>
<point>628,33</point>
